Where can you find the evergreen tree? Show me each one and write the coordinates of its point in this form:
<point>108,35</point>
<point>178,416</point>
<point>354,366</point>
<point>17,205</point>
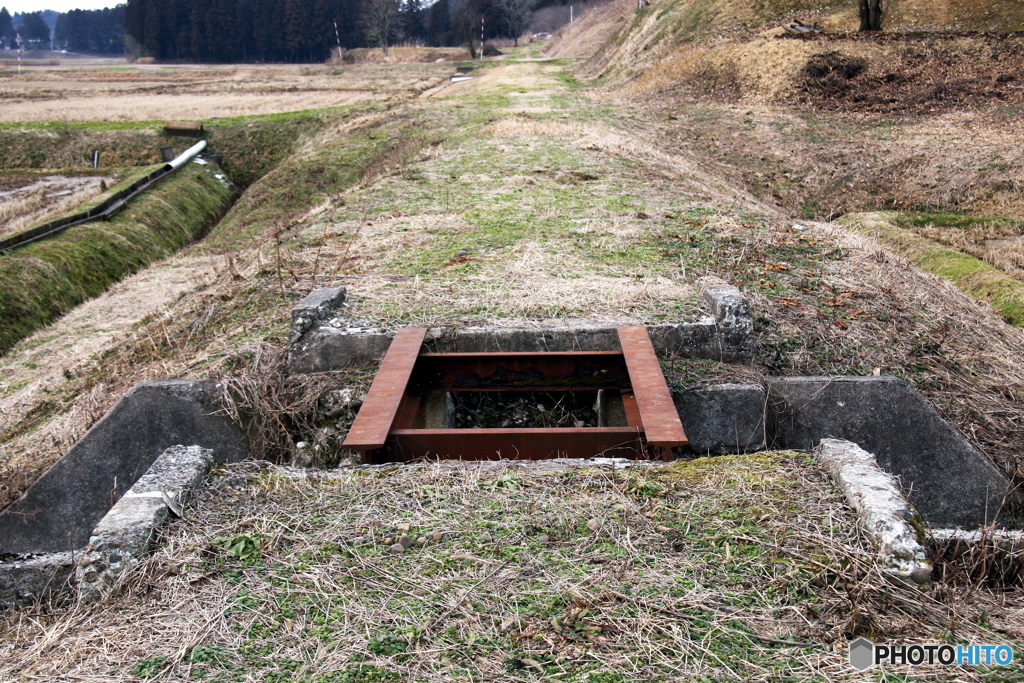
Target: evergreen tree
<point>99,32</point>
<point>296,27</point>
<point>412,21</point>
<point>7,33</point>
<point>266,30</point>
<point>34,31</point>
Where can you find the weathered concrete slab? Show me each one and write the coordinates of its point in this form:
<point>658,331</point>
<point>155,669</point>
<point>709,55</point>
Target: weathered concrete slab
<point>28,578</point>
<point>948,479</point>
<point>724,418</point>
<point>126,533</point>
<point>330,343</point>
<point>319,306</point>
<point>882,510</point>
<point>60,510</point>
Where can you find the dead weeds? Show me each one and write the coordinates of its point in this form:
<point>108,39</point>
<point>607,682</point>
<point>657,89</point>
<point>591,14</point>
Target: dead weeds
<point>505,572</point>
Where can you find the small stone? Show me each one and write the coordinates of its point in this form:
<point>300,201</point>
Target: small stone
<point>402,527</point>
<point>781,567</point>
<point>594,524</point>
<point>463,252</point>
<point>173,569</point>
<point>405,541</point>
<point>397,548</point>
<point>89,577</point>
<point>921,575</point>
<point>422,540</point>
<point>436,536</point>
<point>300,445</point>
<point>544,538</point>
<point>389,540</point>
<point>85,561</point>
<point>662,528</point>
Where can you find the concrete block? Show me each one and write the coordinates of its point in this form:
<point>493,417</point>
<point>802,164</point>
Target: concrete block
<point>319,343</point>
<point>882,510</point>
<point>60,510</point>
<point>23,579</point>
<point>733,319</point>
<point>319,306</point>
<point>724,418</point>
<point>126,533</point>
<point>948,479</point>
<point>327,348</point>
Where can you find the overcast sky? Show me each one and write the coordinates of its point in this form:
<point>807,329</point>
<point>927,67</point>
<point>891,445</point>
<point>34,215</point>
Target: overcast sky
<point>56,5</point>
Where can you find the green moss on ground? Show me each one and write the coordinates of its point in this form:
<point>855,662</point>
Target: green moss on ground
<point>972,276</point>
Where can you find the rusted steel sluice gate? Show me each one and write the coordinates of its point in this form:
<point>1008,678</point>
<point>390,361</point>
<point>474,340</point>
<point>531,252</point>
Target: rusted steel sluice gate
<point>385,431</point>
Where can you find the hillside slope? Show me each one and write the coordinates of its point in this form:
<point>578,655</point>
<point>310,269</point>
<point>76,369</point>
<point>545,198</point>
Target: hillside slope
<point>704,39</point>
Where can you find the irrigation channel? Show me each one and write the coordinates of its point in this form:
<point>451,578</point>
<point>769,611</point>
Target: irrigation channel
<point>42,279</point>
<point>105,209</point>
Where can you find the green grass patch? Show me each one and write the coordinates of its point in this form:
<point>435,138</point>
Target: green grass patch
<point>912,219</point>
<point>971,275</point>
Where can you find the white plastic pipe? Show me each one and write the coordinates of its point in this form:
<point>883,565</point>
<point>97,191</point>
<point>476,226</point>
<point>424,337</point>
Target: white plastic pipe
<point>187,155</point>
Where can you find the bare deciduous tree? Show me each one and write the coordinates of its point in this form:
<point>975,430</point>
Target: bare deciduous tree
<point>871,13</point>
<point>516,15</point>
<point>382,22</point>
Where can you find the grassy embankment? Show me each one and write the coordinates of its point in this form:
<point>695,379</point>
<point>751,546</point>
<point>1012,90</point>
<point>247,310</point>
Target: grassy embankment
<point>44,280</point>
<point>972,275</point>
<point>292,163</point>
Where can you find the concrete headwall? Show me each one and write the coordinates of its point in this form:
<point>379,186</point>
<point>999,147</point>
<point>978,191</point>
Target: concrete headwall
<point>60,510</point>
<point>322,340</point>
<point>949,480</point>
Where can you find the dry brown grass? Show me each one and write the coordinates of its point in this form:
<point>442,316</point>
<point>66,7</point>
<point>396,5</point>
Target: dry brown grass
<point>1001,245</point>
<point>401,55</point>
<point>46,198</point>
<point>696,569</point>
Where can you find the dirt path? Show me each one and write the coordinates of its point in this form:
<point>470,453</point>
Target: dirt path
<point>537,202</point>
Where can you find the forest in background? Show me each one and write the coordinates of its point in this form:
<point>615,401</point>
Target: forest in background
<point>228,31</point>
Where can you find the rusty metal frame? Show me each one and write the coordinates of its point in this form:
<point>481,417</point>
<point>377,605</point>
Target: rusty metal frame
<point>383,430</point>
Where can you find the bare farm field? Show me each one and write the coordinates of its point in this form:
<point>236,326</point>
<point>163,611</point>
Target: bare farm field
<point>537,192</point>
<point>110,90</point>
<point>27,200</point>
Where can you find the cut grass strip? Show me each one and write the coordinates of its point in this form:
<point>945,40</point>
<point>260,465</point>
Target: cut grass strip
<point>972,276</point>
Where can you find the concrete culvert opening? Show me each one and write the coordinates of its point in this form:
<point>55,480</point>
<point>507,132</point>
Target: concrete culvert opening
<point>535,409</point>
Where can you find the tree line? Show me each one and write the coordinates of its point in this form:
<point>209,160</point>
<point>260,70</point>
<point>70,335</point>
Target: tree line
<point>98,32</point>
<point>34,31</point>
<point>307,30</point>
